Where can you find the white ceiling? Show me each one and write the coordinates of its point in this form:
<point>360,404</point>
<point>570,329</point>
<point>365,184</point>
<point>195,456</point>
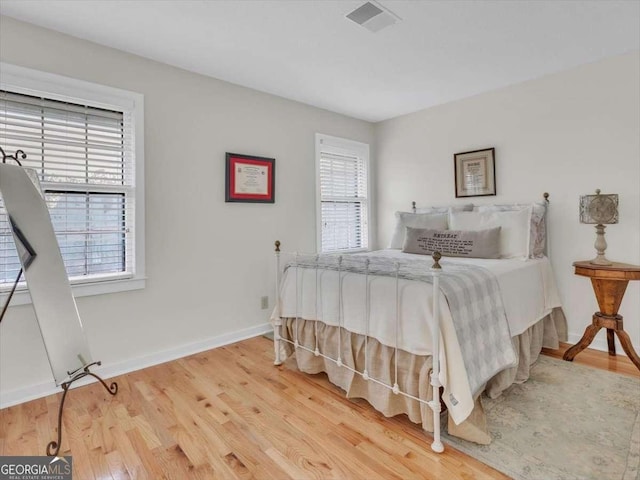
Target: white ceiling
<point>307,50</point>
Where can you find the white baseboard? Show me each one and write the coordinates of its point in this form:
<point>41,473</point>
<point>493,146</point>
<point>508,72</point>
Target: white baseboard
<point>31,392</point>
<point>600,343</point>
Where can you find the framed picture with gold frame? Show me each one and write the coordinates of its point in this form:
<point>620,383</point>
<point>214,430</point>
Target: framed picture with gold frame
<point>475,173</point>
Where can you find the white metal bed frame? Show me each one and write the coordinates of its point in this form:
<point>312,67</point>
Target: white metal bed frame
<point>436,271</point>
<point>434,404</point>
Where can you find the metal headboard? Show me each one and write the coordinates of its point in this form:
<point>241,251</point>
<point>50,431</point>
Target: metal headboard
<point>546,204</point>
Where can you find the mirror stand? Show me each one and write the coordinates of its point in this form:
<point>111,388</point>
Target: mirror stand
<point>54,446</point>
<point>47,280</point>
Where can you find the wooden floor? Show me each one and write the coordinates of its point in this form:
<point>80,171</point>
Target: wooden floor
<point>229,413</point>
<point>596,358</point>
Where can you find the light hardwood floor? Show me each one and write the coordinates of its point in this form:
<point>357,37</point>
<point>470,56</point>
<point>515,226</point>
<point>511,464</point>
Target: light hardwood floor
<point>229,413</point>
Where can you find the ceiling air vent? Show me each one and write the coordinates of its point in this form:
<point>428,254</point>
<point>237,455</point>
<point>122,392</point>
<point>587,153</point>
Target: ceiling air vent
<point>373,16</point>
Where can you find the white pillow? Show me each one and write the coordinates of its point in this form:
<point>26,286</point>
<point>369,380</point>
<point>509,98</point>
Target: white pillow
<point>537,234</point>
<point>467,207</point>
<point>433,221</point>
<point>514,235</point>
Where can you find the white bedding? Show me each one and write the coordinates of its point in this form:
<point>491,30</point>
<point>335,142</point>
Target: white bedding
<point>527,287</point>
<point>528,292</point>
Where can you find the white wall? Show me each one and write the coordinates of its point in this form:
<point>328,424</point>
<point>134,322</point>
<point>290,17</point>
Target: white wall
<point>566,134</point>
<point>208,262</point>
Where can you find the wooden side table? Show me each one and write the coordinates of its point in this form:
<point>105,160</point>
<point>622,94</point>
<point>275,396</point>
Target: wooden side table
<point>609,284</point>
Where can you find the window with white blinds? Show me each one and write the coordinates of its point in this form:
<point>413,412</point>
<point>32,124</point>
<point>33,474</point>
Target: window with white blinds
<point>343,194</point>
<point>84,157</point>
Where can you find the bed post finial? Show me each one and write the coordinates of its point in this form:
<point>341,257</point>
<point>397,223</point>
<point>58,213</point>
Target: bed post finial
<point>436,258</point>
<point>277,244</point>
<point>413,207</point>
<point>546,197</point>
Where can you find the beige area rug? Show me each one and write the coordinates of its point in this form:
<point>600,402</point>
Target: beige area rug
<point>566,422</point>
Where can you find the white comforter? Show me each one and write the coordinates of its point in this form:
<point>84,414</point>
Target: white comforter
<point>527,287</point>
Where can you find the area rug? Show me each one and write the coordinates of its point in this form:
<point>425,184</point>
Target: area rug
<point>566,422</point>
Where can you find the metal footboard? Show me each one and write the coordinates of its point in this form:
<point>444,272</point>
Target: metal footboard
<point>436,270</point>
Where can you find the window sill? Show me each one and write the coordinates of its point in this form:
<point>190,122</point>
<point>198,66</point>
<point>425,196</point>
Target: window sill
<point>22,297</point>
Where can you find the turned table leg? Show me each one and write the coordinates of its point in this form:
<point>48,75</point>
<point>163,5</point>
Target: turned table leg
<point>611,342</point>
<point>625,341</point>
<point>585,341</point>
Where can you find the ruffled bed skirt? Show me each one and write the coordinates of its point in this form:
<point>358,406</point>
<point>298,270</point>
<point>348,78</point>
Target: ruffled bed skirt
<point>413,370</point>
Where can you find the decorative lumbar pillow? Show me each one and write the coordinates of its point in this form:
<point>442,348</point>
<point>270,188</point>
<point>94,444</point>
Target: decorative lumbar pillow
<point>515,232</point>
<point>438,221</point>
<point>454,243</point>
<point>538,230</point>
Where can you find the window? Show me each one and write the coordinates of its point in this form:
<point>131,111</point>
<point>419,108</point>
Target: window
<point>342,170</point>
<point>87,160</point>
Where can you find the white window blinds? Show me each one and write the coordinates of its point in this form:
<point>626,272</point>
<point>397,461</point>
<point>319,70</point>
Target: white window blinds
<point>343,184</point>
<point>84,157</point>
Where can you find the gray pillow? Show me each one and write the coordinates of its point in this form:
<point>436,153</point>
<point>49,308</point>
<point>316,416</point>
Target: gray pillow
<point>454,243</point>
<point>416,220</point>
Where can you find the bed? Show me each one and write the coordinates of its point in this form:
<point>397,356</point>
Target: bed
<point>369,321</point>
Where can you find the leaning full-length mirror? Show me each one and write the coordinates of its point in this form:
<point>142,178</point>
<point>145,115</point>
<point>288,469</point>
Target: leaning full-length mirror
<point>44,271</point>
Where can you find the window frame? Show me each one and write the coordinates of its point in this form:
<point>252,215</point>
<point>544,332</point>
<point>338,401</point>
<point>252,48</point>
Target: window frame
<point>27,81</point>
<point>351,146</point>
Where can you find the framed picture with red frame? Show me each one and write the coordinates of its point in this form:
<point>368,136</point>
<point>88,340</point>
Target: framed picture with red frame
<point>250,179</point>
